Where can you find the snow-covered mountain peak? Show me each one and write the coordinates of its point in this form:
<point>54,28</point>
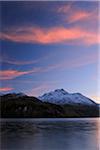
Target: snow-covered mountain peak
<point>60,96</point>
<point>56,94</point>
<point>61,91</point>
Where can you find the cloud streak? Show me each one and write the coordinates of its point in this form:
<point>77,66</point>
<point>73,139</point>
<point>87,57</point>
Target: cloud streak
<point>17,62</point>
<point>5,89</point>
<point>79,16</point>
<point>51,35</point>
<point>75,14</point>
<point>36,91</point>
<point>8,60</point>
<point>65,64</point>
<point>74,63</point>
<point>64,8</point>
<point>11,74</point>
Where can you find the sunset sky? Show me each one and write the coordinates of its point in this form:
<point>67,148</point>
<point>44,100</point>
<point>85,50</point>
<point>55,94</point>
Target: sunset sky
<point>49,45</point>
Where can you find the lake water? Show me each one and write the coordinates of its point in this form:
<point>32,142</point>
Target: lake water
<point>50,134</point>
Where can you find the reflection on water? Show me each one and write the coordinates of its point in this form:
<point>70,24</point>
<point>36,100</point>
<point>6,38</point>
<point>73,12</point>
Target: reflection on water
<point>49,134</point>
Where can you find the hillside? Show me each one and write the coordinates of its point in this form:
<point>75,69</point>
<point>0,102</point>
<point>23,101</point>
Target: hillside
<point>23,106</point>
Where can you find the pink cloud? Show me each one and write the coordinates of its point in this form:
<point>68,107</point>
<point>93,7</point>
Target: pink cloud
<point>11,74</point>
<point>5,89</point>
<point>74,14</point>
<point>79,16</point>
<point>51,35</point>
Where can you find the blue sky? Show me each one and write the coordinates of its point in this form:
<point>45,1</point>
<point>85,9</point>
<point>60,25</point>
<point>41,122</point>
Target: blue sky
<point>49,45</point>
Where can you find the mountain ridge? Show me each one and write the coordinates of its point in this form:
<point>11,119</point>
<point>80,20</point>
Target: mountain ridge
<point>60,96</point>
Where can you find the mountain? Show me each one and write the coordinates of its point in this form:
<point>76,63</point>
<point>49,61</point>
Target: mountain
<point>18,105</point>
<point>60,96</point>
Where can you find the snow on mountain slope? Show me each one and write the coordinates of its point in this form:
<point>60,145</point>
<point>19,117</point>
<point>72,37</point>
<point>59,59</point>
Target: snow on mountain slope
<point>60,96</point>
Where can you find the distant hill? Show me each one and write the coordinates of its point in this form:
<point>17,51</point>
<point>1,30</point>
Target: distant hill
<point>22,106</point>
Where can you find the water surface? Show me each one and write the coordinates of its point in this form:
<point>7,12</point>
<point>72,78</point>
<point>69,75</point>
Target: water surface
<point>50,134</point>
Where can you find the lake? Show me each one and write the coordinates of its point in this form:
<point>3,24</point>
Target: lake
<point>50,134</point>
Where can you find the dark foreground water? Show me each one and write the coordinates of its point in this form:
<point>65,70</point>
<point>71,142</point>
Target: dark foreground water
<point>50,134</point>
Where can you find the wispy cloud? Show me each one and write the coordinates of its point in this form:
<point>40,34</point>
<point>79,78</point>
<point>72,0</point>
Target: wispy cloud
<point>17,62</point>
<point>51,35</point>
<point>6,89</point>
<point>9,60</point>
<point>64,8</point>
<point>65,64</point>
<point>36,91</point>
<point>72,13</point>
<point>75,63</point>
<point>11,74</point>
<point>79,16</point>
